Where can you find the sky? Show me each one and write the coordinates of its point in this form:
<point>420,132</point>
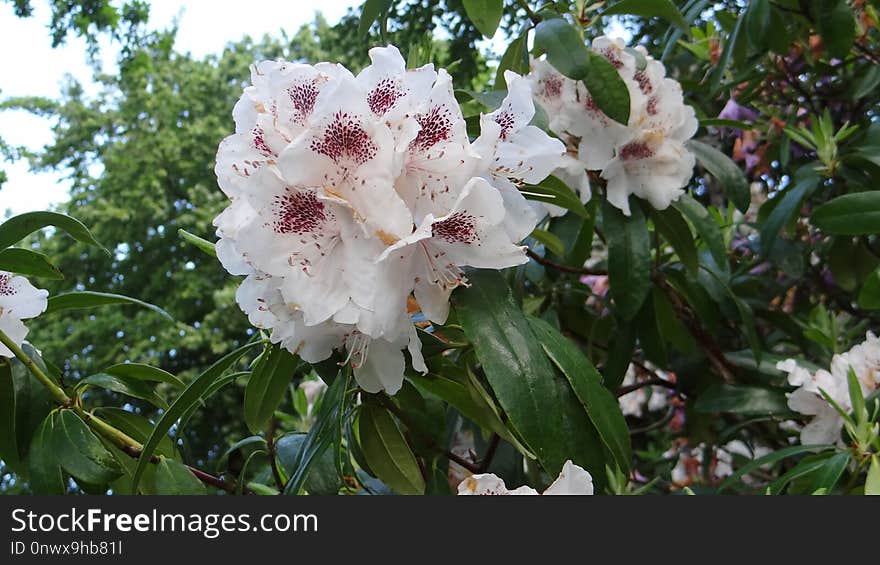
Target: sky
<point>205,26</point>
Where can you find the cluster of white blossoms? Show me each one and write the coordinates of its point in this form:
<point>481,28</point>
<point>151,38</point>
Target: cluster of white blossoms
<point>357,200</point>
<point>652,398</point>
<point>827,423</point>
<point>19,300</point>
<point>573,480</point>
<point>646,157</point>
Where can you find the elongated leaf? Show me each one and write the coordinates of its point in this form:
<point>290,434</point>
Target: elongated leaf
<point>806,466</point>
<point>706,227</point>
<point>387,452</point>
<point>540,405</point>
<point>742,399</point>
<point>29,263</point>
<point>485,14</point>
<point>586,382</point>
<point>136,427</point>
<point>80,452</point>
<point>124,385</point>
<point>675,230</point>
<point>850,214</point>
<point>267,386</point>
<point>24,404</point>
<point>19,227</point>
<point>44,468</point>
<point>550,241</point>
<point>872,482</point>
<point>8,438</point>
<point>554,191</point>
<point>836,24</point>
<point>173,478</point>
<point>629,258</point>
<point>769,459</point>
<point>717,73</point>
<point>805,183</point>
<point>566,51</point>
<point>726,171</point>
<point>830,472</point>
<point>199,242</point>
<point>90,299</point>
<point>515,58</point>
<point>648,9</point>
<point>370,12</point>
<point>144,373</point>
<point>190,396</point>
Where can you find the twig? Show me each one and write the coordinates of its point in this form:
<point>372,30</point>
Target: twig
<point>564,268</point>
<point>490,453</point>
<point>271,452</point>
<point>654,381</point>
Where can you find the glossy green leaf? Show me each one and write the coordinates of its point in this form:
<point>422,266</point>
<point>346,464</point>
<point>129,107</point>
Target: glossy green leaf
<point>29,263</point>
<point>648,9</point>
<point>322,478</point>
<point>629,258</point>
<point>387,452</point>
<point>872,482</point>
<point>515,58</point>
<point>728,173</point>
<point>124,385</point>
<point>705,225</point>
<point>8,439</point>
<point>829,474</point>
<point>586,382</point>
<point>550,241</point>
<point>80,452</point>
<point>554,191</point>
<point>485,14</point>
<point>88,299</point>
<point>370,12</point>
<point>836,24</point>
<point>805,183</point>
<point>869,296</point>
<point>675,230</point>
<point>850,214</point>
<point>174,478</point>
<point>769,459</point>
<point>199,242</point>
<point>44,468</point>
<point>742,399</point>
<point>143,372</point>
<point>539,403</point>
<point>136,427</point>
<point>267,385</point>
<point>19,227</point>
<point>717,74</point>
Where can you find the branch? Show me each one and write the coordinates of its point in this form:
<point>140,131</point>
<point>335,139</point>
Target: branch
<point>564,268</point>
<point>655,381</point>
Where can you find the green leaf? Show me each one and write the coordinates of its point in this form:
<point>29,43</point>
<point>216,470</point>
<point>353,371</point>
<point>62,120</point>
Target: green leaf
<point>705,225</point>
<point>88,299</point>
<point>836,24</point>
<point>174,478</point>
<point>674,229</point>
<point>29,263</point>
<point>19,227</point>
<point>629,258</point>
<point>123,385</point>
<point>8,433</point>
<point>869,296</point>
<point>370,12</point>
<point>717,73</point>
<point>829,473</point>
<point>539,403</point>
<point>322,478</point>
<point>742,399</point>
<point>757,22</point>
<point>850,214</point>
<point>554,191</point>
<point>135,426</point>
<point>44,468</point>
<point>267,386</point>
<point>24,404</point>
<point>601,406</point>
<point>144,373</point>
<point>387,452</point>
<point>189,397</point>
<point>726,171</point>
<point>550,241</point>
<point>485,14</point>
<point>80,452</point>
<point>566,51</point>
<point>769,459</point>
<point>648,9</point>
<point>199,242</point>
<point>805,183</point>
<point>872,482</point>
<point>806,466</point>
<point>515,58</point>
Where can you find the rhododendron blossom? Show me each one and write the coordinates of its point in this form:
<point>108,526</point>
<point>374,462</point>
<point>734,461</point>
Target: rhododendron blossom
<point>19,300</point>
<point>646,157</point>
<point>827,423</point>
<point>573,480</point>
<point>354,197</point>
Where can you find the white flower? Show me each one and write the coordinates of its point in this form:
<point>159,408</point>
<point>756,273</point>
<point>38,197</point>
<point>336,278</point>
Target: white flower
<point>514,153</point>
<point>19,300</point>
<point>827,423</point>
<point>646,157</point>
<point>573,480</point>
<point>634,403</point>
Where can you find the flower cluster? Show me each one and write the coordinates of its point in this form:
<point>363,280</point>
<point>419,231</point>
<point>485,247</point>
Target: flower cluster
<point>19,300</point>
<point>357,200</point>
<point>573,480</point>
<point>827,423</point>
<point>645,157</point>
